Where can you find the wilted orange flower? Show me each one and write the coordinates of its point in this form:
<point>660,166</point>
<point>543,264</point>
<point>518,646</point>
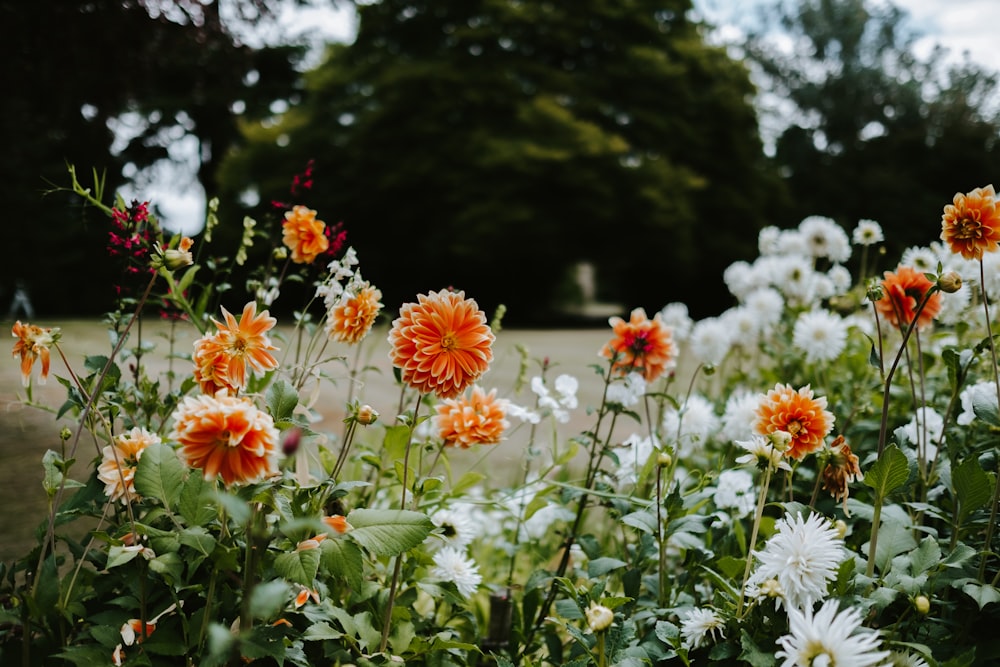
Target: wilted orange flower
<point>441,344</point>
<point>304,235</point>
<point>227,437</point>
<point>221,360</point>
<point>128,447</point>
<point>903,292</point>
<point>799,414</point>
<point>352,317</point>
<point>971,224</point>
<point>303,596</point>
<point>641,344</point>
<point>477,420</point>
<point>841,468</point>
<point>33,342</point>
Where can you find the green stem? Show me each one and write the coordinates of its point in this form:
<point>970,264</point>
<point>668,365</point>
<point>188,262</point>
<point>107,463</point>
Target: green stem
<point>873,543</point>
<point>757,517</point>
<point>991,524</point>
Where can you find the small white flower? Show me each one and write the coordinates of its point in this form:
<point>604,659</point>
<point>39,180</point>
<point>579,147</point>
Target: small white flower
<point>767,240</point>
<point>739,415</point>
<point>736,276</point>
<point>868,232</point>
<point>710,341</point>
<point>698,625</point>
<point>840,278</point>
<point>456,526</point>
<point>761,453</point>
<point>820,334</point>
<point>564,399</point>
<point>538,525</point>
<point>735,491</point>
<point>632,457</point>
<point>954,305</point>
<point>828,638</point>
<point>450,564</point>
<point>627,391</point>
<point>767,305</point>
<point>927,427</point>
<point>825,238</point>
<point>696,421</point>
<point>903,659</point>
<point>677,318</point>
<point>803,556</point>
<point>523,413</point>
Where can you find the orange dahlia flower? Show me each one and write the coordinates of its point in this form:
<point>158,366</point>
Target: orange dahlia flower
<point>33,342</point>
<point>903,292</point>
<point>221,360</point>
<point>641,344</point>
<point>352,317</point>
<point>442,343</point>
<point>971,224</point>
<point>227,437</point>
<point>304,235</point>
<point>798,413</point>
<point>477,420</point>
<point>117,469</point>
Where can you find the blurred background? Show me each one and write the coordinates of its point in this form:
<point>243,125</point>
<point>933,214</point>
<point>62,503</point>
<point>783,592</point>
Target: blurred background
<point>547,155</point>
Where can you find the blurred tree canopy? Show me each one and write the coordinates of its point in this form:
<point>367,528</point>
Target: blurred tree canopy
<point>490,145</point>
<point>875,131</point>
<point>158,71</point>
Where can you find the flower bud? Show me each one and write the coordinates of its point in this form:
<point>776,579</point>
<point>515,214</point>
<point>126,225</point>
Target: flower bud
<point>771,588</point>
<point>367,415</point>
<point>663,459</point>
<point>280,253</point>
<point>841,527</point>
<point>950,282</point>
<point>780,440</point>
<point>599,617</point>
<point>174,258</point>
<point>922,604</point>
<point>291,443</point>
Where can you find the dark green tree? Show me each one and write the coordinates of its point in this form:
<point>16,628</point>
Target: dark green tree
<point>174,69</point>
<point>876,132</point>
<point>490,145</point>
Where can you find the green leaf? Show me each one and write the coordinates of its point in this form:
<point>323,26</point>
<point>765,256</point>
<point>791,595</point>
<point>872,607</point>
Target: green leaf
<point>601,566</point>
<point>343,558</point>
<point>973,487</point>
<point>983,594</point>
<point>269,598</point>
<point>281,400</point>
<point>642,520</point>
<point>298,566</point>
<point>321,631</point>
<point>388,532</point>
<point>195,504</point>
<point>119,555</point>
<point>199,539</point>
<point>160,474</point>
<point>889,472</point>
<point>752,654</point>
<point>169,566</point>
<point>985,406</point>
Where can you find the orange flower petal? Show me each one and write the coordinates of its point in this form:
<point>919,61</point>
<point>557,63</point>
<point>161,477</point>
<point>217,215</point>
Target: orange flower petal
<point>970,225</point>
<point>641,344</point>
<point>798,413</point>
<point>903,292</point>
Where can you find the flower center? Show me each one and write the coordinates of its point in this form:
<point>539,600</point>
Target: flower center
<point>449,342</point>
<point>794,427</point>
<point>968,228</point>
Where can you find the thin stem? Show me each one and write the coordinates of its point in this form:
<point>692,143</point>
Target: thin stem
<point>991,524</point>
<point>758,516</point>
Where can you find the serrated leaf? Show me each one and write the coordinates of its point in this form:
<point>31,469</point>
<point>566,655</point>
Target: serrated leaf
<point>281,400</point>
<point>198,539</point>
<point>298,566</point>
<point>321,631</point>
<point>388,532</point>
<point>194,503</point>
<point>972,486</point>
<point>641,520</point>
<point>160,474</point>
<point>889,472</point>
<point>343,558</point>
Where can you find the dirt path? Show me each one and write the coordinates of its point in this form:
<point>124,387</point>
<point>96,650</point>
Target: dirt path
<point>27,432</point>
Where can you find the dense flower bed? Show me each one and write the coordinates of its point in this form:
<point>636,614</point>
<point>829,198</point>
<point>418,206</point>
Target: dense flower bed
<point>817,486</point>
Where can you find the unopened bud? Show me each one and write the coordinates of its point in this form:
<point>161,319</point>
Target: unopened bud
<point>174,258</point>
<point>780,440</point>
<point>281,252</point>
<point>291,442</point>
<point>367,415</point>
<point>771,588</point>
<point>950,282</point>
<point>599,617</point>
<point>841,527</point>
<point>65,433</point>
<point>664,459</point>
<point>922,604</point>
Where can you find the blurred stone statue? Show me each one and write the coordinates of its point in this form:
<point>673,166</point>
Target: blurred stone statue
<point>21,303</point>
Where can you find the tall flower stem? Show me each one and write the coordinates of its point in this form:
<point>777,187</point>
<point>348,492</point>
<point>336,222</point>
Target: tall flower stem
<point>593,466</point>
<point>751,545</point>
<point>398,560</point>
<point>84,416</point>
<point>991,524</point>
